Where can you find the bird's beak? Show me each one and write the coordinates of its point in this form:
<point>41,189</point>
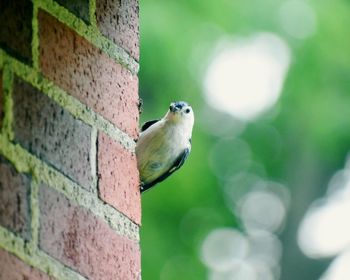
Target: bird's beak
<point>173,108</point>
<point>176,106</point>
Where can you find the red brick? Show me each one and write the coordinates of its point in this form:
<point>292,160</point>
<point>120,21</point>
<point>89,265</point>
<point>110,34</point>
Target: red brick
<point>51,133</point>
<point>12,268</point>
<point>1,101</point>
<point>80,240</point>
<point>16,28</point>
<point>119,21</point>
<point>86,73</point>
<point>118,177</point>
<point>14,200</point>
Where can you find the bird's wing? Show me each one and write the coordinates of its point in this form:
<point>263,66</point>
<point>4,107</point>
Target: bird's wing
<point>177,164</point>
<point>148,124</point>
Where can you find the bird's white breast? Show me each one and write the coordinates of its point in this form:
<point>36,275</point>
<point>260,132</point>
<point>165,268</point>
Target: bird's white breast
<point>158,147</point>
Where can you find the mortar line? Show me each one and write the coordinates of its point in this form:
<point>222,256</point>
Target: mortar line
<point>7,84</point>
<point>27,163</point>
<point>1,60</point>
<point>39,259</point>
<point>35,36</point>
<point>93,160</point>
<point>34,209</point>
<point>89,33</point>
<point>71,104</point>
<point>92,14</point>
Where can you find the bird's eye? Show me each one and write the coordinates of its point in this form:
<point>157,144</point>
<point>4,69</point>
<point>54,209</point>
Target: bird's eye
<point>187,110</point>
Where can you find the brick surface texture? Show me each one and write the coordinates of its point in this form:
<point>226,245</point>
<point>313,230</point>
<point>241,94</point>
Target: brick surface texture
<point>78,7</point>
<point>16,28</point>
<point>119,21</point>
<point>89,75</point>
<point>14,200</point>
<point>118,177</point>
<point>83,242</point>
<point>63,164</point>
<point>1,101</point>
<point>51,133</point>
<point>13,268</point>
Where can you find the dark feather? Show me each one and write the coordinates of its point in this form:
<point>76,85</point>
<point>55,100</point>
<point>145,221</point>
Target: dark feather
<point>148,124</point>
<point>177,164</point>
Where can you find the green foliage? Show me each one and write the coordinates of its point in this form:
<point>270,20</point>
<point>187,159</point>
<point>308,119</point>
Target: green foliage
<point>301,143</point>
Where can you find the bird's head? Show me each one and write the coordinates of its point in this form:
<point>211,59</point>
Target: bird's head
<point>180,113</point>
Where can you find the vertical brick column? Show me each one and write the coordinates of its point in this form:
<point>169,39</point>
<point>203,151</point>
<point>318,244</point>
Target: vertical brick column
<point>69,184</point>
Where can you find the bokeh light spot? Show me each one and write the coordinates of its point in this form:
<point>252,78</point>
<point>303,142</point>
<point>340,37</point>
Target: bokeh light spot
<point>241,270</point>
<point>222,248</point>
<point>265,248</point>
<point>324,230</point>
<point>262,210</point>
<point>246,76</point>
<point>339,268</point>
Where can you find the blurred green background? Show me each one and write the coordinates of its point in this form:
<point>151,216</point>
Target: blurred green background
<point>248,179</point>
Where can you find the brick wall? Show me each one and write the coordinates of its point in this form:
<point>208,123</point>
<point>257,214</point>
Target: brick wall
<point>69,195</point>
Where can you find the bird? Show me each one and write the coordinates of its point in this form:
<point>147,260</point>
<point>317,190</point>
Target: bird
<point>164,145</point>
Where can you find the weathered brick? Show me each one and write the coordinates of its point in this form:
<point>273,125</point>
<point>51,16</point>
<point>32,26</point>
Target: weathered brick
<point>80,240</point>
<point>78,7</point>
<point>16,28</point>
<point>1,101</point>
<point>12,268</point>
<point>88,74</point>
<point>118,177</point>
<point>14,200</point>
<point>51,133</point>
<point>119,21</point>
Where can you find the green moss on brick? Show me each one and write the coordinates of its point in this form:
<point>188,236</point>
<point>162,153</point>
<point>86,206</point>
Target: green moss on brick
<point>47,130</point>
<point>26,163</point>
<point>90,33</point>
<point>34,206</point>
<point>68,102</point>
<point>1,101</point>
<point>36,258</point>
<point>93,160</point>
<point>7,101</point>
<point>92,10</point>
<point>119,22</point>
<point>35,38</point>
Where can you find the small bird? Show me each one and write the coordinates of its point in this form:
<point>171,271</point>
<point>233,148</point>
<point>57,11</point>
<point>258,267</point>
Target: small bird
<point>164,145</point>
